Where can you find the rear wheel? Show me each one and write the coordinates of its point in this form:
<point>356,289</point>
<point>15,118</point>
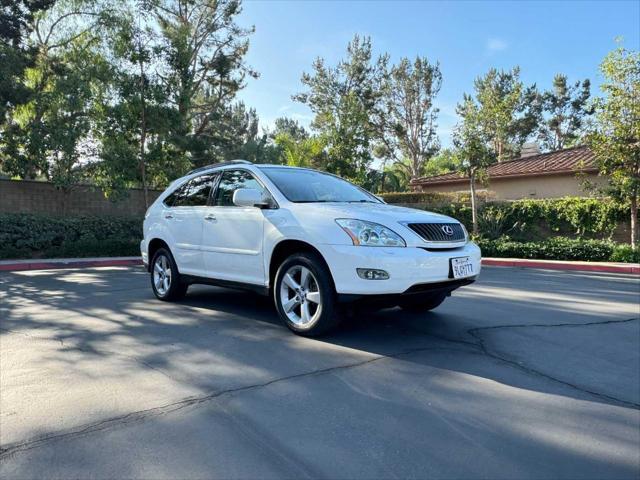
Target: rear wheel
<point>165,278</point>
<point>423,304</point>
<point>304,295</point>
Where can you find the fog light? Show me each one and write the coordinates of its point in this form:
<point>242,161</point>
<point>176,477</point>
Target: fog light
<point>372,274</point>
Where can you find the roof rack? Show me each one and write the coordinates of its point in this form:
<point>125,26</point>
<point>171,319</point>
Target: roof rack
<point>221,164</point>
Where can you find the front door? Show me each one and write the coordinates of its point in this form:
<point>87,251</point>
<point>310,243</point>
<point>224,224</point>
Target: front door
<point>232,236</point>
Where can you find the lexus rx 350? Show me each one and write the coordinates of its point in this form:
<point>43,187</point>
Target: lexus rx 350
<point>311,240</point>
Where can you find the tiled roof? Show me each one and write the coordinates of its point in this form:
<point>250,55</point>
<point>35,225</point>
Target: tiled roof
<point>569,160</point>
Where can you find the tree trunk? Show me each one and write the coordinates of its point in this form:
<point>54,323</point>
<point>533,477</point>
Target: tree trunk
<point>474,203</point>
<point>634,221</point>
<point>143,135</point>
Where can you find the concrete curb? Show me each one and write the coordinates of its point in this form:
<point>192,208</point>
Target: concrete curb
<point>48,264</point>
<point>625,268</point>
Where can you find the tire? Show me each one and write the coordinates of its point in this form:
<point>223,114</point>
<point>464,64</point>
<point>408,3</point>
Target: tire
<point>304,295</point>
<point>424,304</point>
<point>166,282</point>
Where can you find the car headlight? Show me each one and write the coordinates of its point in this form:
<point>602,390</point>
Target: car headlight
<point>370,234</point>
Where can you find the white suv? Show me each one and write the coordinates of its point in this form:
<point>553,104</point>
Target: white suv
<point>313,241</point>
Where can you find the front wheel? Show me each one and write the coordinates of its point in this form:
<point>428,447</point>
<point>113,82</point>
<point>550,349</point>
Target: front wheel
<point>165,278</point>
<point>304,295</point>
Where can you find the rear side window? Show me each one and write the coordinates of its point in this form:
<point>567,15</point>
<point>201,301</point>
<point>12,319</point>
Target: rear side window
<point>231,181</point>
<point>194,193</point>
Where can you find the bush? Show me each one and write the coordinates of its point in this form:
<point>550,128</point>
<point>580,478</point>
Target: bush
<point>559,248</point>
<point>626,254</point>
<point>45,236</point>
<point>527,219</point>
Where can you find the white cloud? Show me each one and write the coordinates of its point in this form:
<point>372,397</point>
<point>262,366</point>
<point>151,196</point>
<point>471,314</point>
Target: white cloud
<point>496,45</point>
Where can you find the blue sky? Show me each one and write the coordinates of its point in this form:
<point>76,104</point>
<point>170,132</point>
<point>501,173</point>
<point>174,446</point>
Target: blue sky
<point>466,37</point>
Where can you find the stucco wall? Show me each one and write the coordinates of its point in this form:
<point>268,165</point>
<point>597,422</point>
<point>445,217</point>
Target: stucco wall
<point>544,186</point>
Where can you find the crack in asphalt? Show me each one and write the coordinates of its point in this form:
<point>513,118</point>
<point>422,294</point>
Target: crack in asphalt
<point>141,415</point>
<point>481,346</point>
<point>475,333</point>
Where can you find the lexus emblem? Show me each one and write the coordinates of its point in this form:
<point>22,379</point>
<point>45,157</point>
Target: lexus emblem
<point>447,230</point>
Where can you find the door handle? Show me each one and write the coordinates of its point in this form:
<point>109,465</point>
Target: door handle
<point>210,217</point>
<point>168,215</point>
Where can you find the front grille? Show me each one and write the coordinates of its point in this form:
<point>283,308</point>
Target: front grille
<point>435,232</point>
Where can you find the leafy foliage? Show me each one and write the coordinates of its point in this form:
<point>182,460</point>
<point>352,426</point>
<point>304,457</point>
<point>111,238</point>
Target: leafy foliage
<point>615,138</point>
<point>343,99</point>
<point>528,219</point>
<point>33,236</point>
<point>406,118</point>
<point>556,248</point>
<point>567,109</point>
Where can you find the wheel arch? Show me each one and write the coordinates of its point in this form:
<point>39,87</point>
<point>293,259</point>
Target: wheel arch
<point>154,245</point>
<point>286,248</point>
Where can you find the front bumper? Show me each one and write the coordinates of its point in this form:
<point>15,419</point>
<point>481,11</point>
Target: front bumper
<point>408,267</point>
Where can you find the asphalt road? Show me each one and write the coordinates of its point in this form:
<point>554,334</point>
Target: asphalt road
<point>526,374</point>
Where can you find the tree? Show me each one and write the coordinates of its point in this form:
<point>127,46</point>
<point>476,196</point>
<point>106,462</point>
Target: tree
<point>47,134</point>
<point>290,127</point>
<point>17,18</point>
<point>134,128</point>
<point>343,99</point>
<point>302,151</point>
<point>446,161</point>
<point>203,69</point>
<point>567,108</point>
<point>407,117</point>
<point>615,139</point>
<point>473,148</point>
<point>508,112</point>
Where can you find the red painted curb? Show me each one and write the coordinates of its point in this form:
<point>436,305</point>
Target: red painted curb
<point>35,265</point>
<point>631,269</point>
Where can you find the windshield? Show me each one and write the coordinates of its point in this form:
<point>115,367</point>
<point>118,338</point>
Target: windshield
<point>309,186</point>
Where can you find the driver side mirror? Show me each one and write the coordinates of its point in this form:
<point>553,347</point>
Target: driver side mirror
<point>250,197</point>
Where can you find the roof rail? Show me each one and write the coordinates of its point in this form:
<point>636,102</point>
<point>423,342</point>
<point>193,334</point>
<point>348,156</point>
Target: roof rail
<point>221,164</point>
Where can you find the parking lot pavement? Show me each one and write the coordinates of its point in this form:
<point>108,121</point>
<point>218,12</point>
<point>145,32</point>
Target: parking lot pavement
<point>525,374</point>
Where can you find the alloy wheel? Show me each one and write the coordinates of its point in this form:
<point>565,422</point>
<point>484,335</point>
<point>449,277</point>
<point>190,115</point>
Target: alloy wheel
<point>162,275</point>
<point>300,296</point>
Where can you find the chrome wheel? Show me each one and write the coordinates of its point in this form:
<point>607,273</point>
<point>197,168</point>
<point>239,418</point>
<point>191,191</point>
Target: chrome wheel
<point>300,296</point>
<point>162,275</point>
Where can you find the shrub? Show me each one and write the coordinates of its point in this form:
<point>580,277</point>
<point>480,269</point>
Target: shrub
<point>33,236</point>
<point>527,219</point>
<point>558,248</point>
<point>626,254</point>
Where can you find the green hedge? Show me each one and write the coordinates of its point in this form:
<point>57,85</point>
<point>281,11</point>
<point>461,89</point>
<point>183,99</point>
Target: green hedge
<point>559,248</point>
<point>528,219</point>
<point>45,236</point>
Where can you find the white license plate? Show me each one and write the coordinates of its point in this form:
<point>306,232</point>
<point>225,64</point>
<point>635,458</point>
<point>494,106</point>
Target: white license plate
<point>462,267</point>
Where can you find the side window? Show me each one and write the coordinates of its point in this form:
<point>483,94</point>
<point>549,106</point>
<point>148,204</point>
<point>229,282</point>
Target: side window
<point>231,181</point>
<point>196,192</point>
<point>171,199</point>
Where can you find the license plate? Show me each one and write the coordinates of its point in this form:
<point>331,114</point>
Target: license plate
<point>462,267</point>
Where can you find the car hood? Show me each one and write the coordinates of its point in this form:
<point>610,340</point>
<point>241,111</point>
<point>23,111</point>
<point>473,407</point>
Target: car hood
<point>374,212</point>
<point>391,216</point>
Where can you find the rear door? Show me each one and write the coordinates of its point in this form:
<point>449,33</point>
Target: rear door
<point>184,219</point>
<point>233,236</point>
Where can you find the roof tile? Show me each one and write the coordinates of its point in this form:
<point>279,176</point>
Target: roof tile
<point>577,159</point>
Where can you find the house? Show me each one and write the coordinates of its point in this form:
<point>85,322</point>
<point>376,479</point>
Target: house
<point>533,175</point>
